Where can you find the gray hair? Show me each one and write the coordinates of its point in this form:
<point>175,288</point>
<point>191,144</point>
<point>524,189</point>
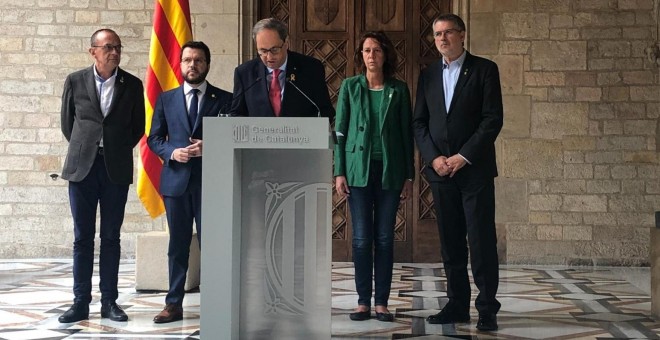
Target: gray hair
<point>270,24</point>
<point>458,22</point>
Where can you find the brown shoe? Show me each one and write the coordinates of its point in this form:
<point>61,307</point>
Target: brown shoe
<point>170,313</point>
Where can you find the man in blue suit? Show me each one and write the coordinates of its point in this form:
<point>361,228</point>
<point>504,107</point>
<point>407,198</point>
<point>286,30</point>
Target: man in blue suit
<point>176,137</point>
<point>279,82</point>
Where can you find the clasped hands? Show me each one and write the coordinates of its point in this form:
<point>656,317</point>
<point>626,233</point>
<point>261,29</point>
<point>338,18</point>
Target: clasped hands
<point>183,155</point>
<point>444,166</point>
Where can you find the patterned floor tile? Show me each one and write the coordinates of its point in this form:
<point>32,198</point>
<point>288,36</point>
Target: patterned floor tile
<point>545,302</point>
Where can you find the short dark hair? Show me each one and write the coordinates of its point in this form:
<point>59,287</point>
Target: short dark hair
<point>199,46</point>
<point>453,18</point>
<point>389,67</point>
<point>270,24</point>
<point>92,40</point>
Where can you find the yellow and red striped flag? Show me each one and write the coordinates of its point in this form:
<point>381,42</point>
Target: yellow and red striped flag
<point>172,29</point>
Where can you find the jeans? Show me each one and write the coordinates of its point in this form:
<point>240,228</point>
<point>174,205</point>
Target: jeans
<point>373,212</point>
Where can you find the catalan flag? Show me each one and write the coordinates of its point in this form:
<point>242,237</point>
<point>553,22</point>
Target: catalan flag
<point>171,30</point>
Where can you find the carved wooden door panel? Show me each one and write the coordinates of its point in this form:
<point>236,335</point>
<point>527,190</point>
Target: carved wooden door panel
<point>329,30</point>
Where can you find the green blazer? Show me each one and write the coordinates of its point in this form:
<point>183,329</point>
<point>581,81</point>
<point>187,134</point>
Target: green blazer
<point>353,125</point>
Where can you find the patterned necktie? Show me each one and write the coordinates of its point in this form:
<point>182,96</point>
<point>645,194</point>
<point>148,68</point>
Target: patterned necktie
<point>194,107</point>
<point>275,92</point>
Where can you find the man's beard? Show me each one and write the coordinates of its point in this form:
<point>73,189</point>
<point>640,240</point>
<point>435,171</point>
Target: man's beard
<point>196,80</point>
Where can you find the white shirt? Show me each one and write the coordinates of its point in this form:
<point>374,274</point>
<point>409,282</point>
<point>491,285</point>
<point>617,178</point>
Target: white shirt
<point>450,73</point>
<point>282,77</point>
<point>187,90</point>
<point>105,88</point>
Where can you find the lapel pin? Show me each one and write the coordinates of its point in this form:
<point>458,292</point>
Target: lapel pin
<point>293,77</point>
<point>465,72</point>
<point>121,80</point>
<point>213,95</point>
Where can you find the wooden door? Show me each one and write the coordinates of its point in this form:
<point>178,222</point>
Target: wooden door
<point>329,30</point>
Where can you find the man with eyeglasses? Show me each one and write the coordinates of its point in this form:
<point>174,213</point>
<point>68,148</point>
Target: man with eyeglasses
<point>102,118</point>
<point>279,82</point>
<point>458,115</point>
<point>176,137</point>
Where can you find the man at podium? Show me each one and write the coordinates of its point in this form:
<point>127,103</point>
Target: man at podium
<point>176,137</point>
<point>279,82</point>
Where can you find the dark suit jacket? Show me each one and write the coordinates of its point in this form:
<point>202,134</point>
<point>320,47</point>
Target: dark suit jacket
<point>472,124</point>
<point>170,130</point>
<point>83,125</point>
<point>307,73</point>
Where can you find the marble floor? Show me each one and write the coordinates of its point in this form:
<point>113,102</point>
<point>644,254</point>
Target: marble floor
<point>537,303</point>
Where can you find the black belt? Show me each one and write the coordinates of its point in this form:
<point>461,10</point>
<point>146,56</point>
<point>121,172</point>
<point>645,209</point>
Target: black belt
<point>100,151</point>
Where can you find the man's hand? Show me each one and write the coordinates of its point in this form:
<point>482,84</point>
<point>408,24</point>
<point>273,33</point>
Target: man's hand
<point>181,155</point>
<point>195,149</point>
<point>455,163</point>
<point>440,166</point>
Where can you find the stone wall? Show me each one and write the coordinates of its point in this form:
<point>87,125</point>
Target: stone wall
<point>41,41</point>
<point>579,177</point>
<point>578,152</point>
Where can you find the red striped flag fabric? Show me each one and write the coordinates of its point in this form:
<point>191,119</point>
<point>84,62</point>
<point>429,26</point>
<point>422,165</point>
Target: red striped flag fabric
<point>171,29</point>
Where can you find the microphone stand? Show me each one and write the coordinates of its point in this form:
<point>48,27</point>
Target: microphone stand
<point>239,96</point>
<point>318,110</point>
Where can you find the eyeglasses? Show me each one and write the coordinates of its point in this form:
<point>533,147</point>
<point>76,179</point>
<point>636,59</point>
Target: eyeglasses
<point>448,32</point>
<point>273,50</point>
<point>189,61</point>
<point>109,48</point>
<point>374,50</point>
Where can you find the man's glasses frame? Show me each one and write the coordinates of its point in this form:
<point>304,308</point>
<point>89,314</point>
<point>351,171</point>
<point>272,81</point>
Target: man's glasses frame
<point>448,32</point>
<point>109,47</point>
<point>188,61</point>
<point>273,50</point>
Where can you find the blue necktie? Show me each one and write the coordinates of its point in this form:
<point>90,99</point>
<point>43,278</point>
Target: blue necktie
<point>194,107</point>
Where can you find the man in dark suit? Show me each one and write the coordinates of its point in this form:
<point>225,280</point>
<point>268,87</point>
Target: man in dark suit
<point>103,119</point>
<point>298,88</point>
<point>176,137</point>
<point>457,117</point>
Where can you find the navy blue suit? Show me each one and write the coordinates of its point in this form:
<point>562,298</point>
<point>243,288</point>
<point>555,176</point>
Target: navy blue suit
<point>181,183</point>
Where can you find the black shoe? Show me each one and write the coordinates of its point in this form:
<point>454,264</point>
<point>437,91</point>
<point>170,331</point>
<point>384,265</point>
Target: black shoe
<point>385,317</point>
<point>449,315</point>
<point>487,322</point>
<point>360,316</point>
<point>79,311</point>
<point>113,312</point>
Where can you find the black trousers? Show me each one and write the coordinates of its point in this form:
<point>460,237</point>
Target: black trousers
<point>465,210</point>
<point>96,190</point>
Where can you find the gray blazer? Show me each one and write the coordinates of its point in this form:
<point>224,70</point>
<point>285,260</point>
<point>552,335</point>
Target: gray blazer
<point>83,125</point>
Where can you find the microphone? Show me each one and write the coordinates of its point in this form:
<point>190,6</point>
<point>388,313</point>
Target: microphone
<point>240,94</point>
<point>318,110</point>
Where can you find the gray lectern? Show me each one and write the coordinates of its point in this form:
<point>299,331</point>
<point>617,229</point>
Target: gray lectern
<point>266,237</point>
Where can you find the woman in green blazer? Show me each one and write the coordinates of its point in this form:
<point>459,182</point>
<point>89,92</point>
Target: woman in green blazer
<point>374,165</point>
